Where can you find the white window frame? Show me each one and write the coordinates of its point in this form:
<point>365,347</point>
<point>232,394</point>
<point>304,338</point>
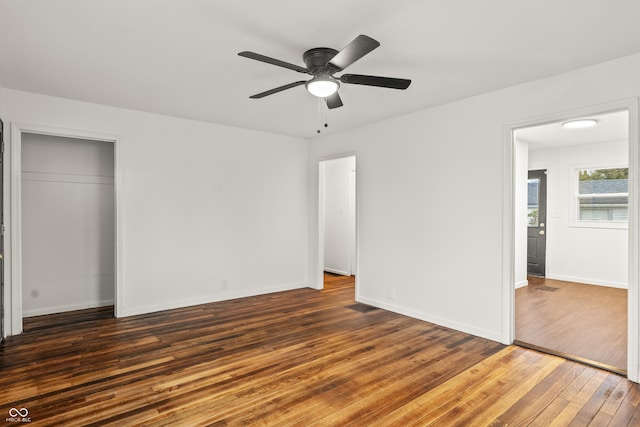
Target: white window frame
<point>574,210</point>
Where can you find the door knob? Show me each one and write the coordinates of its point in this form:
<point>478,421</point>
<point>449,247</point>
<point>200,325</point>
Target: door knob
<point>541,232</point>
<point>542,224</point>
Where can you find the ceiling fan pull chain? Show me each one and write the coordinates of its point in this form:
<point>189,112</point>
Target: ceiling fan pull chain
<point>320,101</point>
<point>326,120</point>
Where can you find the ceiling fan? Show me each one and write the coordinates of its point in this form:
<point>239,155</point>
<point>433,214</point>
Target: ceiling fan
<point>322,63</point>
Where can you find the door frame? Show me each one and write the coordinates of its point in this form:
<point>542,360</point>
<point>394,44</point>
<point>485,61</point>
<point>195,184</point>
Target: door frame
<point>319,279</point>
<point>2,235</point>
<point>14,220</point>
<point>508,244</point>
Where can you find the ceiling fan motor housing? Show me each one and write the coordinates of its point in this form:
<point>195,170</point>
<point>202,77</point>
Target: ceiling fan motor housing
<point>316,60</point>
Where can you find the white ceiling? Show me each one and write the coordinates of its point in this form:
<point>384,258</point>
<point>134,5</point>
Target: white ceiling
<point>179,57</point>
<point>610,127</point>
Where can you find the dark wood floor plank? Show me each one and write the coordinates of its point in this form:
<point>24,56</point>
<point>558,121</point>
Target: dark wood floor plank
<point>512,383</point>
<point>479,399</point>
<point>568,414</point>
<point>302,357</point>
<point>444,398</point>
<point>570,385</point>
<point>499,399</point>
<point>530,406</point>
<point>316,372</point>
<point>591,408</point>
<point>630,404</point>
<point>604,415</point>
<point>370,399</point>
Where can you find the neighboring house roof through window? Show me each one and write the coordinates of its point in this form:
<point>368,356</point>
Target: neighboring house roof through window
<point>603,186</point>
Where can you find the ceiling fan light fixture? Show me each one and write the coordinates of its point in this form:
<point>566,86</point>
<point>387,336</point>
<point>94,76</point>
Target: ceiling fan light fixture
<point>579,124</point>
<point>322,86</point>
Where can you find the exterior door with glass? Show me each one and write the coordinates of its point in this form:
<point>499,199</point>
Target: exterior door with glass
<point>537,222</point>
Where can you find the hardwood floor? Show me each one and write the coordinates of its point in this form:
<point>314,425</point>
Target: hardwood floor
<point>585,321</point>
<point>304,358</point>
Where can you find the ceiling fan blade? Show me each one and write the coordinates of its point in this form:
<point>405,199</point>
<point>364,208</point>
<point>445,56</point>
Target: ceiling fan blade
<point>268,60</point>
<point>278,89</point>
<point>388,82</point>
<point>333,101</point>
<point>355,50</point>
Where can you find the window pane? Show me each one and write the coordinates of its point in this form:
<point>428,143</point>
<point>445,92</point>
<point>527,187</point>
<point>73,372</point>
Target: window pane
<point>607,208</point>
<point>603,181</point>
<point>620,214</point>
<point>603,195</point>
<point>532,202</point>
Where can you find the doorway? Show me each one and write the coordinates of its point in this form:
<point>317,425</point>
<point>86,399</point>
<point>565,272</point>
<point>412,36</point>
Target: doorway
<point>22,285</point>
<point>575,292</point>
<point>67,224</point>
<point>337,219</point>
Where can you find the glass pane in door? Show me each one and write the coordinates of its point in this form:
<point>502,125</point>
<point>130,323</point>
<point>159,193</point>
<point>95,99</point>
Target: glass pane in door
<point>533,186</point>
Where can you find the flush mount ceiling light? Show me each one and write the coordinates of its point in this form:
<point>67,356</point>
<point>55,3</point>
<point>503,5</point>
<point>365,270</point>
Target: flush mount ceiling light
<point>580,124</point>
<point>322,86</point>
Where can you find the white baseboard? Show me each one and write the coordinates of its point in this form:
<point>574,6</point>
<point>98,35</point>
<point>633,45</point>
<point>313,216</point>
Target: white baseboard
<point>63,308</point>
<point>482,333</point>
<point>588,281</point>
<point>226,295</point>
<point>522,284</point>
<point>340,272</point>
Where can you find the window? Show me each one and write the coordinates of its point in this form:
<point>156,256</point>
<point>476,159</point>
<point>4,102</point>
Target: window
<point>532,202</point>
<point>602,196</point>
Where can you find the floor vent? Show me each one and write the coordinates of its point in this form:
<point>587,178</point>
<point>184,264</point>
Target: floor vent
<point>546,288</point>
<point>362,308</point>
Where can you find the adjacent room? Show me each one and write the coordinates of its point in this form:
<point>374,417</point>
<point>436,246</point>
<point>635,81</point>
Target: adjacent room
<point>243,213</point>
<point>337,210</point>
<point>575,253</point>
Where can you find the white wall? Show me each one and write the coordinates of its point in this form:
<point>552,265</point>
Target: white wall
<point>68,219</point>
<point>596,256</point>
<point>430,194</point>
<point>339,215</point>
<point>198,204</point>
